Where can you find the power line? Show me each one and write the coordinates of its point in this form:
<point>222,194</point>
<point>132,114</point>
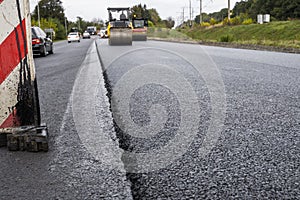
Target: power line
<point>183,14</point>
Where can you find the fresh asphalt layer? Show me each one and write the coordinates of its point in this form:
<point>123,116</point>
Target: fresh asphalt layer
<point>254,151</point>
<point>191,121</point>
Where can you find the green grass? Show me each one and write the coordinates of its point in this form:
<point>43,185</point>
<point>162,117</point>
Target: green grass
<point>167,34</point>
<point>281,34</point>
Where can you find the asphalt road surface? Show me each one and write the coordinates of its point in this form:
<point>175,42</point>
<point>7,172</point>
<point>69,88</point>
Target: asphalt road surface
<point>242,105</point>
<point>67,171</point>
<point>190,122</point>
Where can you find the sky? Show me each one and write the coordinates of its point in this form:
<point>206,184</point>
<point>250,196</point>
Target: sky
<point>90,9</point>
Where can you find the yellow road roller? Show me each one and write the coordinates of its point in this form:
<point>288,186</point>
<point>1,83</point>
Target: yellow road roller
<point>139,32</point>
<point>119,29</point>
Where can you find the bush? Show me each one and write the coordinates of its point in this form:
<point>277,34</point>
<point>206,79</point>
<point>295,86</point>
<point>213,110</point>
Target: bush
<point>244,16</point>
<point>226,21</point>
<point>151,30</point>
<point>227,38</point>
<point>236,21</point>
<point>205,24</point>
<point>150,23</point>
<point>248,21</point>
<point>212,21</point>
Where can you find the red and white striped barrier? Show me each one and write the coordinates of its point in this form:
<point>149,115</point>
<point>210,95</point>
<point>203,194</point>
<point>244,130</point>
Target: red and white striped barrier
<point>18,92</point>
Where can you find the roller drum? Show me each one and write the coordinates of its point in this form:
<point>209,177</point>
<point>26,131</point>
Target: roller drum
<point>139,36</point>
<point>120,36</point>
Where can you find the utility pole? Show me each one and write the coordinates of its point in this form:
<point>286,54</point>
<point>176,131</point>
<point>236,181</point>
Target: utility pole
<point>79,28</point>
<point>229,10</point>
<point>200,15</point>
<point>38,11</point>
<point>190,13</point>
<point>66,26</point>
<point>183,15</point>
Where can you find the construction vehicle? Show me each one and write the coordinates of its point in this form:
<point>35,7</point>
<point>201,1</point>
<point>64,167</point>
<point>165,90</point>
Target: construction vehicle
<point>119,29</point>
<point>20,120</point>
<point>139,32</point>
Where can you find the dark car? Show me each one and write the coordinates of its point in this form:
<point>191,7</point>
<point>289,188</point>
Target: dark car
<point>41,44</point>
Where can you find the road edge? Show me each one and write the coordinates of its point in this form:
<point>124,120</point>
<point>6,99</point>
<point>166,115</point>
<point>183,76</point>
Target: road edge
<point>110,157</point>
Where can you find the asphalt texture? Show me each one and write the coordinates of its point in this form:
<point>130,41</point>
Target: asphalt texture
<point>68,170</point>
<point>161,120</point>
<point>254,110</point>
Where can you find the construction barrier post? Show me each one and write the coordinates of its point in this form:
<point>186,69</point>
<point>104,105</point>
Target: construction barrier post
<point>20,123</point>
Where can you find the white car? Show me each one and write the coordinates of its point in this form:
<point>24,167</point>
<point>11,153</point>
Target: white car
<point>86,35</point>
<point>103,33</point>
<point>73,37</point>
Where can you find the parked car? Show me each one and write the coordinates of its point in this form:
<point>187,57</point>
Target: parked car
<point>73,37</point>
<point>86,35</point>
<point>41,44</point>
